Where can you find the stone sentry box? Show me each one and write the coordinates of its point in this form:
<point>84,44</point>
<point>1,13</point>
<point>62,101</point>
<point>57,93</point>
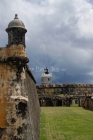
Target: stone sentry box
<point>19,105</point>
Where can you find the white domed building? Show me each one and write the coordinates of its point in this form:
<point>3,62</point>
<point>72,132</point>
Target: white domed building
<point>46,77</point>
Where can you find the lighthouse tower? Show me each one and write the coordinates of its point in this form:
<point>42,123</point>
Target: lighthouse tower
<point>46,77</point>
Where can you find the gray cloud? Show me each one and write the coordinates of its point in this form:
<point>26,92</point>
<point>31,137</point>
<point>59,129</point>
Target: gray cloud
<point>59,35</point>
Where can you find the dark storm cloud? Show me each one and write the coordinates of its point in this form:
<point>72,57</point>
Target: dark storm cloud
<point>60,36</point>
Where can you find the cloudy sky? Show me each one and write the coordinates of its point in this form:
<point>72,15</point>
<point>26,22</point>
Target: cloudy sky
<point>59,36</point>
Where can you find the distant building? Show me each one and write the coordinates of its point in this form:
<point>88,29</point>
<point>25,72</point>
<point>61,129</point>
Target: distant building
<point>46,77</point>
<point>64,94</point>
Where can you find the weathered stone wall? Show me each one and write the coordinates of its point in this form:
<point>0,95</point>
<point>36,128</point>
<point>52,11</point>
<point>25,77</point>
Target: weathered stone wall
<point>76,91</point>
<point>19,105</point>
<point>33,108</point>
<point>81,101</point>
<point>13,103</point>
<point>88,103</point>
<point>69,89</point>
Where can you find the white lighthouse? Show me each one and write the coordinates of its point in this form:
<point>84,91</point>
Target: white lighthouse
<point>46,77</point>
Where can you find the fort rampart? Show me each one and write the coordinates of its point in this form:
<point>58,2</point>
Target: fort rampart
<point>19,105</point>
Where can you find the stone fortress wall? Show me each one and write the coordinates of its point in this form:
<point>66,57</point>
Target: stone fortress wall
<point>63,94</point>
<point>69,89</point>
<point>19,105</point>
<point>34,109</point>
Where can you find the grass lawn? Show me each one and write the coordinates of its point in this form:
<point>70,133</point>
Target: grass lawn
<point>66,123</point>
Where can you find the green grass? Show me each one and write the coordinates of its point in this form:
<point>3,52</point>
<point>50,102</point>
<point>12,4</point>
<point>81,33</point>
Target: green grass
<point>74,105</point>
<point>66,123</point>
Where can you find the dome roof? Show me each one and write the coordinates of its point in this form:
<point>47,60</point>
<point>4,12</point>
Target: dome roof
<point>16,23</point>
